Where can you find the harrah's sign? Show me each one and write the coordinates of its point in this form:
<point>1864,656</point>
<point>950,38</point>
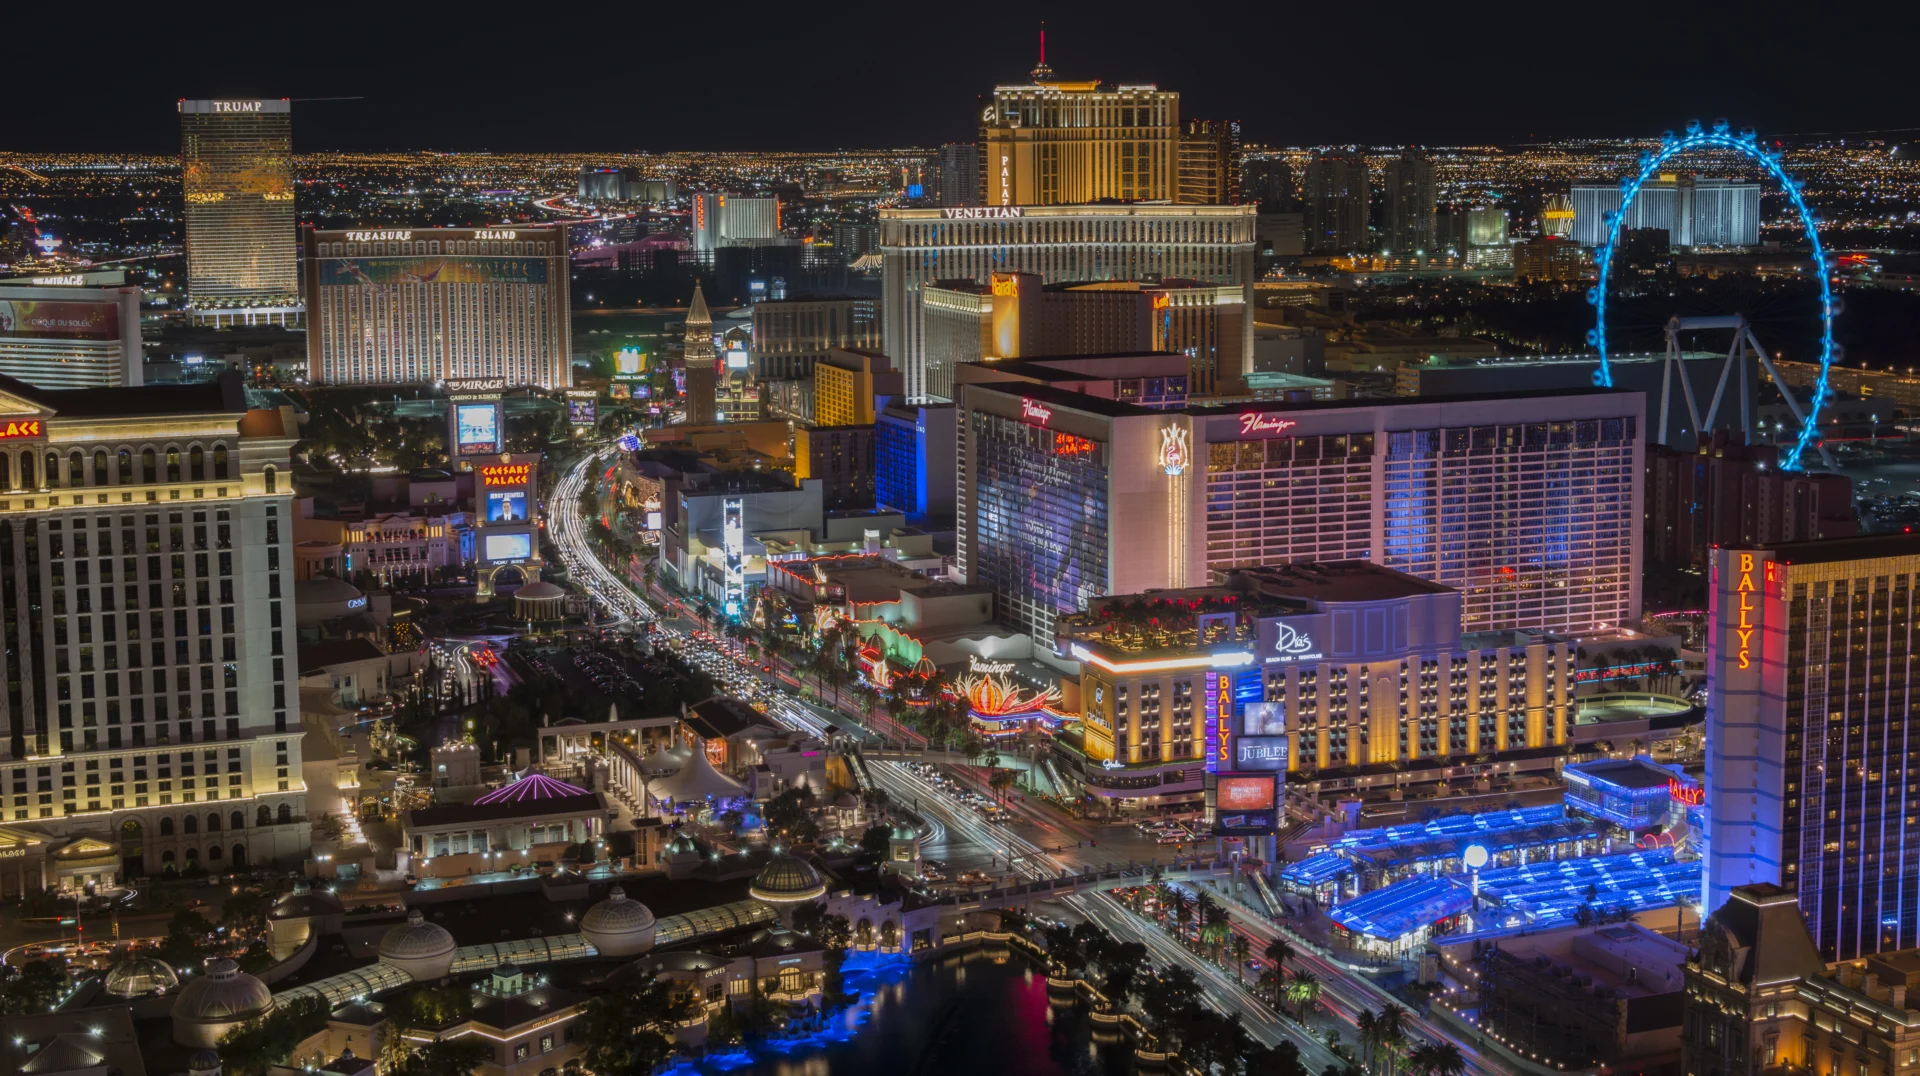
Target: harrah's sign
<point>985,212</point>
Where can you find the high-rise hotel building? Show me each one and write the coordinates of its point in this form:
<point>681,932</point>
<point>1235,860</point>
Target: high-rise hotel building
<point>1525,503</point>
<point>407,306</point>
<point>236,171</point>
<point>1202,244</point>
<point>149,720</point>
<point>1066,143</point>
<point>1811,701</point>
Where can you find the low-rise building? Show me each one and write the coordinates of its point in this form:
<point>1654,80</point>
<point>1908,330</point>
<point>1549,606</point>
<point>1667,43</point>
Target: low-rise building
<point>1346,675</point>
<point>521,824</point>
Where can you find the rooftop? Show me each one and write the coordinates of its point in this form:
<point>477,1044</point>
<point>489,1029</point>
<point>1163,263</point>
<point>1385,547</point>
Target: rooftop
<point>226,394</point>
<point>1861,547</point>
<point>1626,772</point>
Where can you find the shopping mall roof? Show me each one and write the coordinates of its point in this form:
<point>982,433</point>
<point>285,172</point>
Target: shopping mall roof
<point>1402,908</point>
<point>1459,825</point>
<point>1634,773</point>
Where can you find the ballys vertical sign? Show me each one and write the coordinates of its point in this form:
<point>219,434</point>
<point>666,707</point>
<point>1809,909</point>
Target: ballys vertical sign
<point>1751,589</point>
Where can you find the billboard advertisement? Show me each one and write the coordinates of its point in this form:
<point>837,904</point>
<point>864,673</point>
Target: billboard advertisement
<point>507,506</point>
<point>736,359</point>
<point>1246,804</point>
<point>378,272</point>
<point>509,547</point>
<point>629,364</point>
<point>478,428</point>
<point>583,410</point>
<point>1262,743</point>
<point>59,320</point>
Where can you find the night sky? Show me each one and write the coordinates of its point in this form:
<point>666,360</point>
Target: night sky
<point>828,75</point>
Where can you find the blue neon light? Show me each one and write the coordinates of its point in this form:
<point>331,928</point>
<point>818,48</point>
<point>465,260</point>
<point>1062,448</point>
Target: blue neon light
<point>1743,143</point>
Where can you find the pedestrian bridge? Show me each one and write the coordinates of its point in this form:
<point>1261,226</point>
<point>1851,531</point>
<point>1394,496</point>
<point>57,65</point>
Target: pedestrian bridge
<point>1091,880</point>
<point>895,751</point>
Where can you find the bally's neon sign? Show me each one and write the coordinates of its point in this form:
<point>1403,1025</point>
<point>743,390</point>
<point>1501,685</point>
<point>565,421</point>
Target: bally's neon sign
<point>514,474</point>
<point>1746,590</point>
<point>1690,795</point>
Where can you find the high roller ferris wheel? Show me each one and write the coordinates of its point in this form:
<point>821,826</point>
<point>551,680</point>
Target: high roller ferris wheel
<point>1745,345</point>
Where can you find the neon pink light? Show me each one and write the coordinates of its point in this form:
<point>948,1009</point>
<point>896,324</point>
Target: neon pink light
<point>534,786</point>
<point>1257,422</point>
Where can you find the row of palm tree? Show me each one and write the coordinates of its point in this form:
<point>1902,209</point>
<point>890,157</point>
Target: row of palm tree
<point>1388,1047</point>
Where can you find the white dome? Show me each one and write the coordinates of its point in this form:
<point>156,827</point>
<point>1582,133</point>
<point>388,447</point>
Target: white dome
<point>539,590</point>
<point>421,949</point>
<point>212,1004</point>
<point>619,925</point>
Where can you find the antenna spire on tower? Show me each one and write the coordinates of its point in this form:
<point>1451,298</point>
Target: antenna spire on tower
<point>1043,73</point>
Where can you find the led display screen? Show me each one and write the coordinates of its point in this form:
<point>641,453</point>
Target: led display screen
<point>509,546</point>
<point>507,506</point>
<point>1245,794</point>
<point>478,428</point>
<point>582,410</point>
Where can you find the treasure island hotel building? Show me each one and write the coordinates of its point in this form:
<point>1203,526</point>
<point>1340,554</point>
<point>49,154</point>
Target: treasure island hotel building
<point>407,306</point>
<point>149,721</point>
<point>1078,184</point>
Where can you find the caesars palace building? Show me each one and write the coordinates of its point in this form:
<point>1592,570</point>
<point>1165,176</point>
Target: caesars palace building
<point>1061,243</point>
<point>1526,503</point>
<point>149,719</point>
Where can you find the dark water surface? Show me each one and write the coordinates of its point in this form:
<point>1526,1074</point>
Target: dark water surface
<point>983,1013</point>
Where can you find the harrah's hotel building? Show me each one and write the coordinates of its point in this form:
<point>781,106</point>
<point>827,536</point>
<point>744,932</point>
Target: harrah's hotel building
<point>1526,503</point>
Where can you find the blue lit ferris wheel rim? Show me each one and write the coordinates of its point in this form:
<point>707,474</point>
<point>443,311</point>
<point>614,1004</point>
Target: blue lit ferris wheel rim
<point>1745,144</point>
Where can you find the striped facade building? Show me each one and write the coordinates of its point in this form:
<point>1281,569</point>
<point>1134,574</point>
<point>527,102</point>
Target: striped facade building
<point>411,306</point>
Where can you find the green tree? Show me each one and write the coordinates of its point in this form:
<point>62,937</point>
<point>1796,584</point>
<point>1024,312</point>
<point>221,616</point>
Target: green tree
<point>876,840</point>
<point>246,913</point>
<point>1303,989</point>
<point>445,1057</point>
<point>39,984</point>
<point>626,1029</point>
<point>265,1041</point>
<point>790,814</point>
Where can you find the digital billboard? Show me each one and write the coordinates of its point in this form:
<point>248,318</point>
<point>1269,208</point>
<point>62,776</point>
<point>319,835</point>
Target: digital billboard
<point>479,428</point>
<point>736,359</point>
<point>509,546</point>
<point>1262,743</point>
<point>583,410</point>
<point>629,364</point>
<point>59,320</point>
<point>382,272</point>
<point>505,506</point>
<point>1246,804</point>
<point>1245,793</point>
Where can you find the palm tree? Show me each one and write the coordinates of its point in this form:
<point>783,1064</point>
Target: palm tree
<point>1436,1059</point>
<point>1182,912</point>
<point>1271,986</point>
<point>1390,1033</point>
<point>1279,951</point>
<point>1001,780</point>
<point>1239,947</point>
<point>1303,989</point>
<point>1368,1026</point>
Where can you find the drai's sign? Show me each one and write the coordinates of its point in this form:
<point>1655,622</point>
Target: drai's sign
<point>376,237</point>
<point>1292,644</point>
<point>236,106</point>
<point>494,235</point>
<point>985,212</point>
